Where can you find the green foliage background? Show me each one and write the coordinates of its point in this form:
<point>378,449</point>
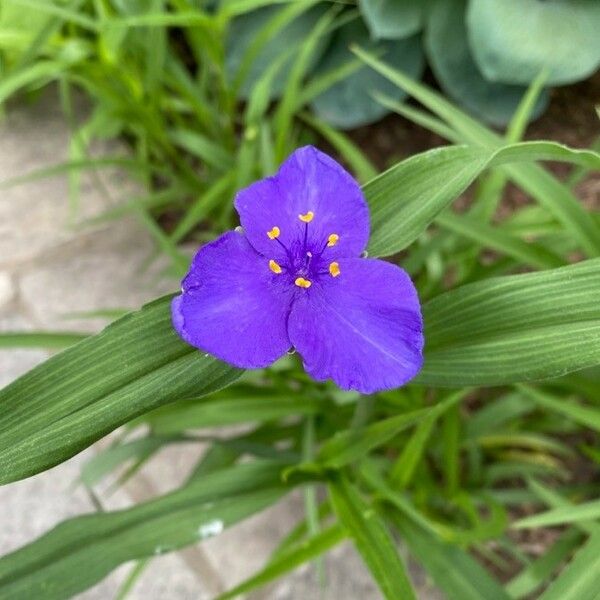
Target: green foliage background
<point>506,411</point>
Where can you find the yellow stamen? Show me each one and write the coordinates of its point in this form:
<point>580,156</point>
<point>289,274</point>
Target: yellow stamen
<point>274,233</point>
<point>303,283</point>
<point>308,217</point>
<point>274,267</point>
<point>332,240</point>
<point>334,269</point>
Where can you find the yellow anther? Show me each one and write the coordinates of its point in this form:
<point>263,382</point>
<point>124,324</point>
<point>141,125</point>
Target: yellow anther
<point>333,239</point>
<point>308,217</point>
<point>274,267</point>
<point>334,269</point>
<point>274,233</point>
<point>303,283</point>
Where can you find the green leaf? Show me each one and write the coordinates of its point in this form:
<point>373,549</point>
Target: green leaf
<point>533,179</point>
<point>588,511</point>
<point>458,74</point>
<point>242,32</point>
<point>491,236</point>
<point>274,23</point>
<point>453,570</point>
<point>80,395</point>
<point>104,463</point>
<point>537,573</point>
<point>202,147</point>
<point>66,14</point>
<point>496,414</point>
<point>372,540</point>
<point>289,560</point>
<point>392,19</point>
<point>352,444</point>
<point>579,580</point>
<point>358,162</point>
<point>42,339</point>
<point>516,328</point>
<point>303,61</point>
<point>552,498</point>
<point>406,198</point>
<point>81,551</point>
<point>349,103</point>
<point>585,416</point>
<point>403,469</point>
<point>514,40</point>
<point>40,71</point>
<point>190,414</point>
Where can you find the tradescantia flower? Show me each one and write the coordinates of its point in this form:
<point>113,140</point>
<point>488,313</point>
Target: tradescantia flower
<point>294,277</point>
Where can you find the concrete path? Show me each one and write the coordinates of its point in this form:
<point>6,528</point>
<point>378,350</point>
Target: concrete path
<point>51,267</point>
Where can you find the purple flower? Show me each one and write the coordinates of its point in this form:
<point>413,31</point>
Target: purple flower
<point>294,278</point>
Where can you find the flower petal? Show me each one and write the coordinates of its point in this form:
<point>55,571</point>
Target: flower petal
<point>232,305</point>
<point>308,181</point>
<point>362,328</point>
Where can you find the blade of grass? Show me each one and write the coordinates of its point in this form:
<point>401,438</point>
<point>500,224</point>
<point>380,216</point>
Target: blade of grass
<point>359,163</point>
<point>536,574</point>
<point>452,569</point>
<point>289,560</point>
<point>588,511</point>
<point>549,192</point>
<point>586,416</point>
<point>372,540</point>
<point>579,580</point>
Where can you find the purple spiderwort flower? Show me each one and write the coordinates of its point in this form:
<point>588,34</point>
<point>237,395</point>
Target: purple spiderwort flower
<point>294,277</point>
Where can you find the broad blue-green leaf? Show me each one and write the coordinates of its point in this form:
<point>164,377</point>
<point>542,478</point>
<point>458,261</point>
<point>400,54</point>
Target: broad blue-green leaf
<point>65,404</point>
<point>458,74</point>
<point>349,103</point>
<point>513,40</point>
<point>392,19</point>
<point>516,328</point>
<point>81,551</point>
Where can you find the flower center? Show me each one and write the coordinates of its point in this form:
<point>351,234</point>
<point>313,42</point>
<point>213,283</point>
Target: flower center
<point>304,264</point>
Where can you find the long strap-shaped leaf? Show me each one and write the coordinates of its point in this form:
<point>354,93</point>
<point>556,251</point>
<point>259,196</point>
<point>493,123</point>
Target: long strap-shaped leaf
<point>406,198</point>
<point>139,364</point>
<point>372,540</point>
<point>453,570</point>
<point>82,551</point>
<point>517,328</point>
<point>579,581</point>
<point>288,561</point>
<point>76,397</point>
<point>547,190</point>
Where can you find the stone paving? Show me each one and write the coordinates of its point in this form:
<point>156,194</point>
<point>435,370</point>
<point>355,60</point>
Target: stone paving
<point>51,267</point>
